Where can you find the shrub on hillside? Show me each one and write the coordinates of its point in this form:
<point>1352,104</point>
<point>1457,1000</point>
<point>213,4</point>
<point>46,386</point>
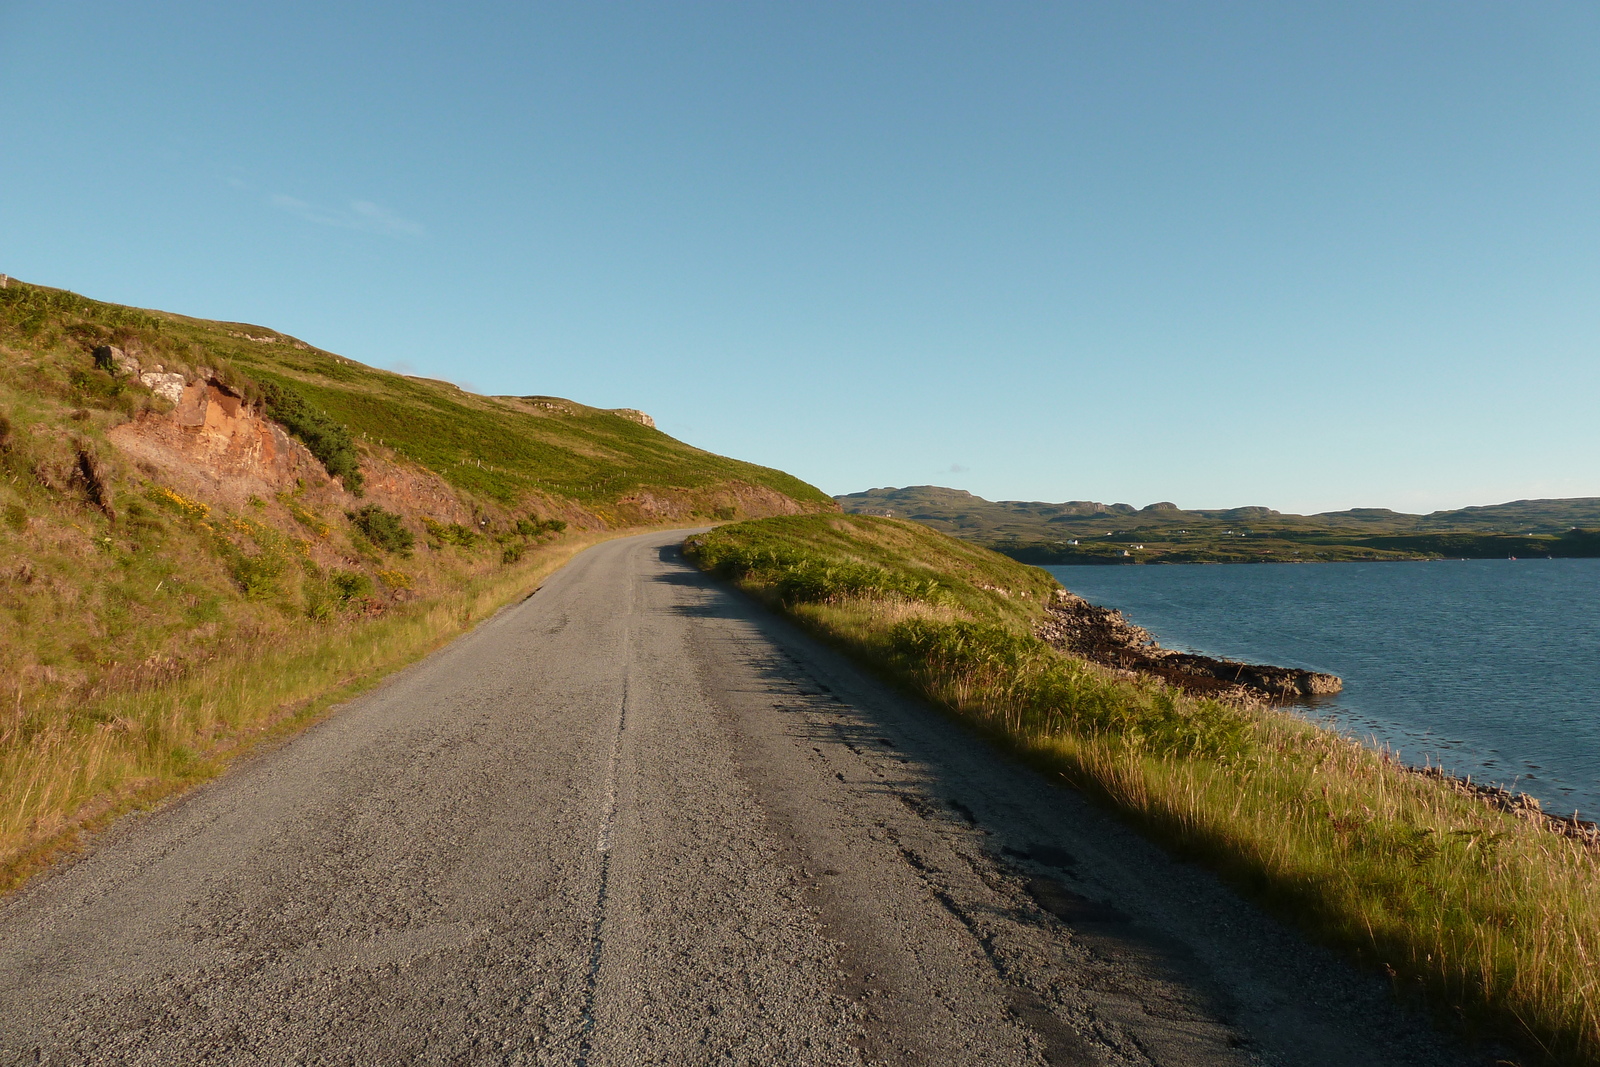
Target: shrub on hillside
<point>326,595</point>
<point>526,528</point>
<point>350,585</point>
<point>192,510</point>
<point>396,579</point>
<point>383,528</point>
<point>328,440</point>
<point>451,533</point>
<point>93,387</point>
<point>532,527</point>
<point>258,575</point>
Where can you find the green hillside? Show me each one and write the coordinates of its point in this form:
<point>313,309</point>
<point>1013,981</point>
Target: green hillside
<point>207,527</point>
<point>500,448</point>
<point>1082,531</point>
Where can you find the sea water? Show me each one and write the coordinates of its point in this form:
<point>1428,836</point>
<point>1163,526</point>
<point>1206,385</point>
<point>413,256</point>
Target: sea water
<point>1488,667</point>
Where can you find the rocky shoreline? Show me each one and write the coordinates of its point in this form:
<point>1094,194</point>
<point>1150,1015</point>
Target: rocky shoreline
<point>1105,636</point>
<point>1520,805</point>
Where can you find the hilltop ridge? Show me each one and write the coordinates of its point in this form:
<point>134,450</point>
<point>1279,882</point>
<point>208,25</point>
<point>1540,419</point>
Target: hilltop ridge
<point>1090,532</point>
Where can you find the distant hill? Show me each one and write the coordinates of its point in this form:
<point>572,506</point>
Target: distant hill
<point>1089,531</point>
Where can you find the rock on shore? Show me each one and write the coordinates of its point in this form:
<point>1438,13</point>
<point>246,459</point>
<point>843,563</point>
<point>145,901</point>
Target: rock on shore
<point>1105,636</point>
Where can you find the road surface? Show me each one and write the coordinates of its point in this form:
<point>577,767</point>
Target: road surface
<point>634,819</point>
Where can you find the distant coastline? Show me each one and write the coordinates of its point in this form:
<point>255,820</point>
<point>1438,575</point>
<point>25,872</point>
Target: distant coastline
<point>1580,544</point>
<point>1090,533</point>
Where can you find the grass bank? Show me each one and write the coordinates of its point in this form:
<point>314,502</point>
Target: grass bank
<point>1490,920</point>
<point>67,771</point>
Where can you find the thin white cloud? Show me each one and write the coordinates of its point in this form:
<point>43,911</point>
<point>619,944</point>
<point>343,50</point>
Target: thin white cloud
<point>362,215</point>
<point>381,221</point>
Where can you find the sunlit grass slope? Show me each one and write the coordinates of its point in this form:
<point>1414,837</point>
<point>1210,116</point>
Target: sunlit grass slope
<point>498,447</point>
<point>1490,919</point>
<point>153,624</point>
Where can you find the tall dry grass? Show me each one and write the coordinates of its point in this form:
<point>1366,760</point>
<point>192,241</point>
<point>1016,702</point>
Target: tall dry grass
<point>63,775</point>
<point>1491,919</point>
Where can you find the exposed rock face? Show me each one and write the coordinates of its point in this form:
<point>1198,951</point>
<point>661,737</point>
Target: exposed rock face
<point>1104,636</point>
<point>410,490</point>
<point>212,410</point>
<point>157,379</point>
<point>219,446</point>
<point>1100,634</point>
<point>215,441</point>
<point>634,415</point>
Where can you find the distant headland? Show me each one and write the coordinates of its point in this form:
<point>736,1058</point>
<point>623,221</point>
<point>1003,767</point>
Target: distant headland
<point>1085,531</point>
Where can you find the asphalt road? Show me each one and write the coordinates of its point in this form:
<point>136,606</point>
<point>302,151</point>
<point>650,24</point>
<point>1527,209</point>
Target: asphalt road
<point>636,820</point>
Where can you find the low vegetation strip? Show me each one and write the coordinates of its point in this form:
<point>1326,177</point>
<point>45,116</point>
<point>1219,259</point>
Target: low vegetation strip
<point>1486,917</point>
<point>65,771</point>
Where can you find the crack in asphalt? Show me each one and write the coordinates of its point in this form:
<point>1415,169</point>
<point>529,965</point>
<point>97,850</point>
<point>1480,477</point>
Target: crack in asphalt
<point>608,818</point>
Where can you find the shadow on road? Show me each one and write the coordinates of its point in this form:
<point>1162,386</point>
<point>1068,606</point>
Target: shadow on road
<point>927,777</point>
<point>1058,864</point>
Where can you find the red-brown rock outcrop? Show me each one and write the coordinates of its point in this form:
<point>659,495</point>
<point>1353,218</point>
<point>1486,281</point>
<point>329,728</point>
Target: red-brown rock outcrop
<point>214,441</point>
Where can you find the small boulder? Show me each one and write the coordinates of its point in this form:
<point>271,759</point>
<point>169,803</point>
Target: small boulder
<point>168,387</point>
<point>116,361</point>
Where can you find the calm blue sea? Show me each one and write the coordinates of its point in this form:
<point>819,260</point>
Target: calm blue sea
<point>1491,667</point>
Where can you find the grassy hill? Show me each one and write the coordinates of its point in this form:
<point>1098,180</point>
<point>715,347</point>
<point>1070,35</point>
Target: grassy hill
<point>206,528</point>
<point>1082,531</point>
<point>498,448</point>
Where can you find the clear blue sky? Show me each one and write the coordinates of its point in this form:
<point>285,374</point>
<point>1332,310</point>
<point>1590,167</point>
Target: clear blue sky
<point>1303,255</point>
